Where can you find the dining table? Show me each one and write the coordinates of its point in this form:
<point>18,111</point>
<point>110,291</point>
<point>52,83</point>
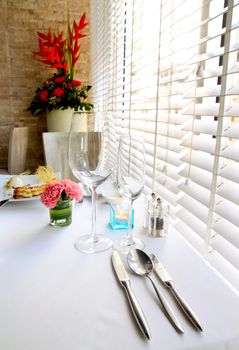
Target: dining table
<point>52,297</point>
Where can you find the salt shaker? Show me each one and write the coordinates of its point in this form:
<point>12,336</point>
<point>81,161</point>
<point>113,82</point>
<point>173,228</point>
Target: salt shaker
<point>156,216</point>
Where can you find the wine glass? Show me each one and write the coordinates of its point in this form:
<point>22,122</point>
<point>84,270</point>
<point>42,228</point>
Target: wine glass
<point>86,161</point>
<point>130,183</point>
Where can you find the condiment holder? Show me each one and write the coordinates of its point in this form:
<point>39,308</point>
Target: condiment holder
<point>156,216</point>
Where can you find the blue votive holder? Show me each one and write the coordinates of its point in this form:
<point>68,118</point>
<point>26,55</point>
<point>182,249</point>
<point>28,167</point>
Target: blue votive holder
<point>119,216</point>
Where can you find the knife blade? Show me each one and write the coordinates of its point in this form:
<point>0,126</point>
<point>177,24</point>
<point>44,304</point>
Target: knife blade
<point>134,304</point>
<point>168,282</point>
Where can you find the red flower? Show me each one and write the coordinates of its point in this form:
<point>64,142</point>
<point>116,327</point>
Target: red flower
<point>44,36</point>
<point>61,51</point>
<point>73,83</point>
<point>60,79</point>
<point>76,83</point>
<point>78,27</point>
<point>58,92</point>
<point>70,85</point>
<point>43,95</point>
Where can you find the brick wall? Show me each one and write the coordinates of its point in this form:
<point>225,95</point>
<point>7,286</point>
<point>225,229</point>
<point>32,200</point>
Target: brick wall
<point>20,73</point>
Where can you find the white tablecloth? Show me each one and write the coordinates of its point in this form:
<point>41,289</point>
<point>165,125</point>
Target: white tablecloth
<point>55,298</point>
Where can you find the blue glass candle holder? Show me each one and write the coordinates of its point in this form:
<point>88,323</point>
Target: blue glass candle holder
<point>119,216</point>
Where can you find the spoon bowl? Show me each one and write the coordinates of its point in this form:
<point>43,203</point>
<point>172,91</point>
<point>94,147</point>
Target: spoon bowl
<point>141,264</point>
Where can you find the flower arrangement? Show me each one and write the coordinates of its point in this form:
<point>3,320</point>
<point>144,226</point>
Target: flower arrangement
<point>60,190</point>
<point>61,91</point>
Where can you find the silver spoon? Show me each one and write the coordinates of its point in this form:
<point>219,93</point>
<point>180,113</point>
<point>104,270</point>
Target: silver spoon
<point>142,265</point>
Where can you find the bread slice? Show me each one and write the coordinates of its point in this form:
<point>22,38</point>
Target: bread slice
<point>28,191</point>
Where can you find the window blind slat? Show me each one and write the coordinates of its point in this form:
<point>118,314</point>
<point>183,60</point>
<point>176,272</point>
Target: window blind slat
<point>175,83</point>
<point>227,230</point>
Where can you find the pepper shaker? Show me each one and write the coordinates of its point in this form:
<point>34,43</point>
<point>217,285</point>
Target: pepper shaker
<point>156,216</point>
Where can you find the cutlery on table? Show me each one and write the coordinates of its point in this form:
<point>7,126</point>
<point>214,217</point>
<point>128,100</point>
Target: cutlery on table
<point>6,196</point>
<point>168,282</point>
<point>125,282</point>
<point>4,201</point>
<point>142,265</point>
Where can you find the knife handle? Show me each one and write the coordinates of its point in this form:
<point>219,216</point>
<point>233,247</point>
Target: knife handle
<point>185,307</point>
<point>136,308</point>
<point>4,201</point>
<point>167,308</point>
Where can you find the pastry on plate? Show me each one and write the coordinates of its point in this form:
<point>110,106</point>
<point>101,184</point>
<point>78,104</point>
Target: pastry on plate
<point>28,191</point>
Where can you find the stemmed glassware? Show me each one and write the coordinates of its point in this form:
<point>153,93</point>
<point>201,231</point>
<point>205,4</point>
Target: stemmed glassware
<point>86,161</point>
<point>130,183</point>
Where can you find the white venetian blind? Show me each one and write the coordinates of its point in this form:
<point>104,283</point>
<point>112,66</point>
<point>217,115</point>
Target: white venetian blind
<point>168,70</point>
<point>207,212</point>
<point>111,28</point>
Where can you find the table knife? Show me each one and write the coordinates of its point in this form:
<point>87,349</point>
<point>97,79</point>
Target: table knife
<point>167,281</point>
<point>6,195</point>
<point>3,202</point>
<point>125,282</point>
<point>5,199</point>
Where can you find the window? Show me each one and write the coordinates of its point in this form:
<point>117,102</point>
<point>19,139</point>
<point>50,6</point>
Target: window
<point>168,70</point>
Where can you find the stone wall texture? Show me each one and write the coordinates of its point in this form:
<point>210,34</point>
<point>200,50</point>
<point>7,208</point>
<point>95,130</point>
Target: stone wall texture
<point>21,74</point>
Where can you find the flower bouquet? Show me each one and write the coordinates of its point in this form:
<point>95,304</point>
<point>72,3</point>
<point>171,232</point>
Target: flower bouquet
<point>58,197</point>
<point>61,91</point>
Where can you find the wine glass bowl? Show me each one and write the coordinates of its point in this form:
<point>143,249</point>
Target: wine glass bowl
<point>130,182</point>
<point>130,188</point>
<point>86,161</point>
<point>85,158</point>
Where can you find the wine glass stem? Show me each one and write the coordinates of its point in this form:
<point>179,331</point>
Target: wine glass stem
<point>129,233</point>
<point>93,218</point>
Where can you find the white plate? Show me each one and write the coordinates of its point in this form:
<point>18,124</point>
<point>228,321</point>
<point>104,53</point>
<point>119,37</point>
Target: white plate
<point>27,180</point>
<point>24,199</point>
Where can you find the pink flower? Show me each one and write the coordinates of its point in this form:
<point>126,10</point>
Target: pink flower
<point>72,190</point>
<point>53,192</point>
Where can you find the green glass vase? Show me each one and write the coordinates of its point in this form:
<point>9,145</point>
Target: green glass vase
<point>61,214</point>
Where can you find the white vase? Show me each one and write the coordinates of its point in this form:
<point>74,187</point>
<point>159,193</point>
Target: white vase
<point>59,120</point>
